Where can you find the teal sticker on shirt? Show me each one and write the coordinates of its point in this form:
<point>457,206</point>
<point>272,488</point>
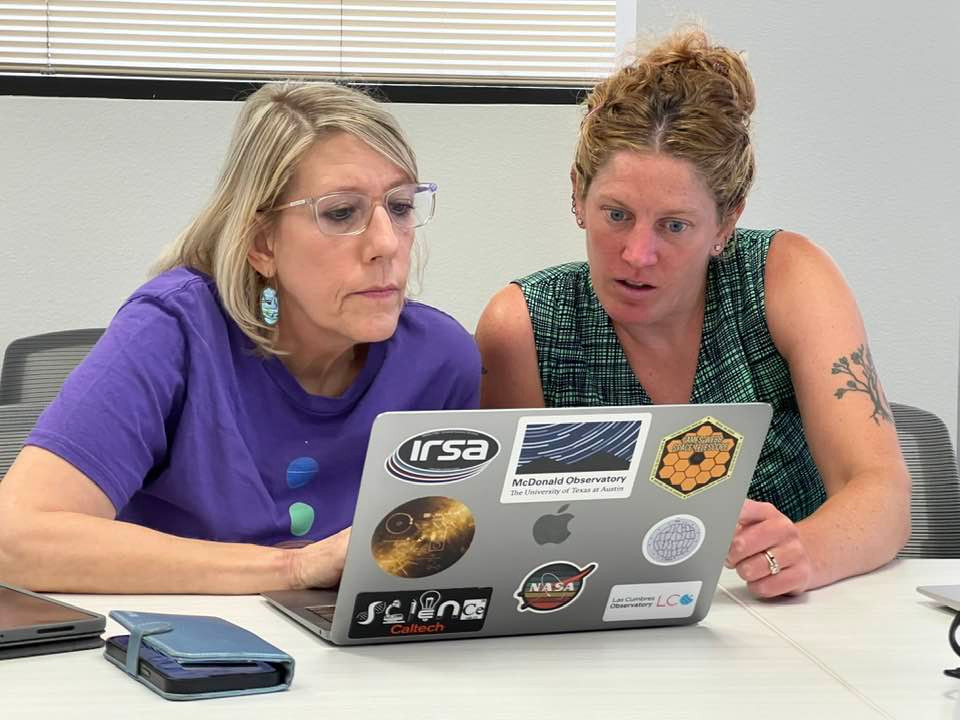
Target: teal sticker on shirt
<point>301,518</point>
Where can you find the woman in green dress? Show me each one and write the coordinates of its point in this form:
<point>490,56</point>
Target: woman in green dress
<point>676,304</point>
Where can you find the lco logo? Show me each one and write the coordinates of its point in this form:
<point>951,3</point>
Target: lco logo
<point>440,456</point>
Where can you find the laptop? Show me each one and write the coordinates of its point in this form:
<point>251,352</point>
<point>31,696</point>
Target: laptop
<point>948,595</point>
<point>473,523</point>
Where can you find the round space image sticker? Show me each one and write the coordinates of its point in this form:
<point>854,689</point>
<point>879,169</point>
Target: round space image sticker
<point>673,540</point>
<point>422,537</point>
<point>552,587</point>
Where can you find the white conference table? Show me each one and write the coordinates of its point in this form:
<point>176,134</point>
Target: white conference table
<point>865,648</point>
<point>877,634</point>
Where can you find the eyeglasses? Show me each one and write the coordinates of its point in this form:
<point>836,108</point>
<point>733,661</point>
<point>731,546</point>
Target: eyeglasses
<point>348,213</point>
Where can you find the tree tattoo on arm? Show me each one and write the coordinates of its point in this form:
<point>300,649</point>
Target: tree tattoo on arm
<point>870,384</point>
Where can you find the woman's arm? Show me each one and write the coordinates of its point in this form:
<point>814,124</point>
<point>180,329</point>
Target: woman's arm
<point>510,375</point>
<point>816,325</point>
<point>58,533</point>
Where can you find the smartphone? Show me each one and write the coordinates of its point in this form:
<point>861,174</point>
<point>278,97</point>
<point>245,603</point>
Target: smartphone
<point>186,678</point>
<point>32,624</point>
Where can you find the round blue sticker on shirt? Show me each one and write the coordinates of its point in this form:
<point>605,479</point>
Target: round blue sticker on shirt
<point>301,471</point>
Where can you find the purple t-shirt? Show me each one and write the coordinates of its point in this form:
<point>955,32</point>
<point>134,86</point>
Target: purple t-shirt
<point>189,432</point>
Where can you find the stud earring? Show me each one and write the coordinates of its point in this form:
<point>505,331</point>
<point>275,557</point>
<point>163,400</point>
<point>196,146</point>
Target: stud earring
<point>269,306</point>
<point>717,249</point>
<point>580,222</point>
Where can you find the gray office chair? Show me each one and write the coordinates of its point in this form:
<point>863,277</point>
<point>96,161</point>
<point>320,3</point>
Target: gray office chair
<point>935,503</point>
<point>35,367</point>
<point>16,422</point>
<point>33,370</point>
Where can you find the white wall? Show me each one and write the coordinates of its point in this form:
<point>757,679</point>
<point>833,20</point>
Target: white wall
<point>857,143</point>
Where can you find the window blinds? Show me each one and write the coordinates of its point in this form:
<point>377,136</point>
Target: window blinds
<point>566,42</point>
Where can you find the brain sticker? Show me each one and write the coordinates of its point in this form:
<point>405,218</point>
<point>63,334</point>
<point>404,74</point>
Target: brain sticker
<point>696,457</point>
<point>673,540</point>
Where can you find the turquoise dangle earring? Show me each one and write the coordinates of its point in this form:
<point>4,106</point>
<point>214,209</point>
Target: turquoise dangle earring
<point>269,305</point>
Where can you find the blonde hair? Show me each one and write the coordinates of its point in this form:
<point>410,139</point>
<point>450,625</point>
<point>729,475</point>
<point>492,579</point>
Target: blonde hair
<point>278,124</point>
<point>686,98</point>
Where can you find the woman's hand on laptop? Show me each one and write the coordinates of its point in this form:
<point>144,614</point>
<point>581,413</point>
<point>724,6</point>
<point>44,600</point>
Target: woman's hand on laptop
<point>319,564</point>
<point>768,552</point>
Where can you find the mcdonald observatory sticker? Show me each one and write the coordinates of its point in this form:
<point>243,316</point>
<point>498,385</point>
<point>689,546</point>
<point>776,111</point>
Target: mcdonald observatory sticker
<point>696,457</point>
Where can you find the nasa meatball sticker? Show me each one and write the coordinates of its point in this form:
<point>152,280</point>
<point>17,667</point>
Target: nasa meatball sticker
<point>575,457</point>
<point>442,456</point>
<point>696,457</point>
<point>552,586</point>
<point>673,540</point>
<point>419,612</point>
<point>652,601</point>
<point>422,537</point>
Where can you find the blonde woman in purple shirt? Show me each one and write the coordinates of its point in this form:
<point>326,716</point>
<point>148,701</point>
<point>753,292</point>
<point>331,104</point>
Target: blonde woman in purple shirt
<point>213,440</point>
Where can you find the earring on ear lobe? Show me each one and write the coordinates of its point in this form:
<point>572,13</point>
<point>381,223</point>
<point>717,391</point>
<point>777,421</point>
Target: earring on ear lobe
<point>269,306</point>
<point>717,249</point>
<point>573,209</point>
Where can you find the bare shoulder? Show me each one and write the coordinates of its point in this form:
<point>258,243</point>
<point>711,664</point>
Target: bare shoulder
<point>791,256</point>
<point>805,293</point>
<point>505,314</point>
<point>511,376</point>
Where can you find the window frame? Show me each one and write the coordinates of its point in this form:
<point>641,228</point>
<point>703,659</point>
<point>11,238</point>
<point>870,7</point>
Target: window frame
<point>178,88</point>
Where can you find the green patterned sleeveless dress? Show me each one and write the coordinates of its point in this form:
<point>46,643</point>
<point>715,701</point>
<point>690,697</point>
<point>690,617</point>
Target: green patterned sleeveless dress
<point>583,364</point>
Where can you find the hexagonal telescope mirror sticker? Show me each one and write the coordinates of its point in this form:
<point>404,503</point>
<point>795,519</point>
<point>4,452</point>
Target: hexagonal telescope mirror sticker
<point>696,457</point>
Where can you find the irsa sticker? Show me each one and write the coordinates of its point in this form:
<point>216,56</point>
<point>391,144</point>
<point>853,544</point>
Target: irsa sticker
<point>442,456</point>
<point>419,612</point>
<point>652,601</point>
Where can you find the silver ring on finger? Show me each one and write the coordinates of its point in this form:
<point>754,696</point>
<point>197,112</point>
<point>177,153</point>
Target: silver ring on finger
<point>772,562</point>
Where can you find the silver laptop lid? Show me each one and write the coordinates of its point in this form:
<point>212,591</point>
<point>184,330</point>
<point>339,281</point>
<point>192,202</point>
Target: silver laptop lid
<point>499,522</point>
<point>947,595</point>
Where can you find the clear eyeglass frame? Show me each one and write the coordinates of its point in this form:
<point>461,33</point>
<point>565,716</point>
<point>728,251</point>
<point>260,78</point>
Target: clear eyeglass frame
<point>417,212</point>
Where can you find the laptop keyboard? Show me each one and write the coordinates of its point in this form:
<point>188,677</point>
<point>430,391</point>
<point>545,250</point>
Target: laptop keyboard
<point>324,613</point>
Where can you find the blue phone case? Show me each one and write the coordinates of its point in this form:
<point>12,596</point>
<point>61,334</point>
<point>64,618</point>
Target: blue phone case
<point>187,670</point>
<point>186,644</point>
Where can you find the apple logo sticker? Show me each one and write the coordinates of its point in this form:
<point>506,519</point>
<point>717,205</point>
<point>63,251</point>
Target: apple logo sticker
<point>552,528</point>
